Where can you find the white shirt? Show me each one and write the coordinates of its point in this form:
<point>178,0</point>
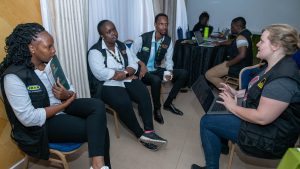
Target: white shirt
<point>137,47</point>
<point>102,73</point>
<point>18,98</point>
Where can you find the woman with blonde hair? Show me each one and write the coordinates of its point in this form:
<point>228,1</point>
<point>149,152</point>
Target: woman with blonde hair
<point>267,122</point>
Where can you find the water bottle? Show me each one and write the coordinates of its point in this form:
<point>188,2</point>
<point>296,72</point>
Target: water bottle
<point>179,33</point>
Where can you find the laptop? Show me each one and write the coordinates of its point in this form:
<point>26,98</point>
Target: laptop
<point>200,40</point>
<point>207,98</point>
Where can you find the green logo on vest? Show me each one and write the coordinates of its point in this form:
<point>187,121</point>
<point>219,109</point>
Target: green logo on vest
<point>145,49</point>
<point>33,87</point>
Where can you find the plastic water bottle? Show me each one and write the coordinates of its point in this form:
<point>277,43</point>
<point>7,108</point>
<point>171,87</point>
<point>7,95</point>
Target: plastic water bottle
<point>179,33</point>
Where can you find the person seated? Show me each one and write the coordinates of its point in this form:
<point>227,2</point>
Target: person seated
<point>202,23</point>
<point>40,112</point>
<point>239,54</point>
<point>151,49</point>
<point>267,122</point>
<point>111,69</point>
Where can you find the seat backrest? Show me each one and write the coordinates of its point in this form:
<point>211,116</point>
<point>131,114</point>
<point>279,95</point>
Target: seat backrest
<point>296,57</point>
<point>128,42</point>
<point>247,73</point>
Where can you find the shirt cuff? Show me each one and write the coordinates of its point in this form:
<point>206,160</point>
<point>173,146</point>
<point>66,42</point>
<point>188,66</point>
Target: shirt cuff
<point>43,116</point>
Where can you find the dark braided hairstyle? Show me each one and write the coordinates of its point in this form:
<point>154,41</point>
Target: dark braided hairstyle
<point>16,45</point>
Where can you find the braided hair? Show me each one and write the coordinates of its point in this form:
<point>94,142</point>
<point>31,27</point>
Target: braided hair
<point>16,45</point>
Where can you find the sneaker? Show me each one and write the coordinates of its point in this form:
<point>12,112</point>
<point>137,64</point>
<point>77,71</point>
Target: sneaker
<point>152,138</point>
<point>195,166</point>
<point>150,146</point>
<point>104,167</point>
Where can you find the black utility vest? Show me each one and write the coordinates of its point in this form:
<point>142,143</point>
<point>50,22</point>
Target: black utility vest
<point>31,140</point>
<point>272,140</point>
<point>144,54</point>
<point>94,83</point>
<point>234,70</point>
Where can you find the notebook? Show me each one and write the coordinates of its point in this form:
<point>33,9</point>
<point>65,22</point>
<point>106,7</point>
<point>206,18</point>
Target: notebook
<point>200,40</point>
<point>206,97</point>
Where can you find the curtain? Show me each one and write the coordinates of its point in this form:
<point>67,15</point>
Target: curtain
<point>131,17</point>
<point>181,17</point>
<point>66,21</point>
<point>169,8</point>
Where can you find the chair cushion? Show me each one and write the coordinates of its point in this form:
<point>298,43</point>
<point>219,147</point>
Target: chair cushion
<point>64,147</point>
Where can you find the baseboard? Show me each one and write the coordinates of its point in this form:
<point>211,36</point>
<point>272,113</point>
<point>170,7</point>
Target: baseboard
<point>18,165</point>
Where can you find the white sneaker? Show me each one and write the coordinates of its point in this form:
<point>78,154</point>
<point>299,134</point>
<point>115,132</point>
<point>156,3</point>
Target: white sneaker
<point>104,167</point>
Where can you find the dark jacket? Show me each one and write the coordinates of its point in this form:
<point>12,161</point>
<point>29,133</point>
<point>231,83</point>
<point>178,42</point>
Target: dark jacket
<point>272,140</point>
<point>233,52</point>
<point>32,140</point>
<point>144,54</point>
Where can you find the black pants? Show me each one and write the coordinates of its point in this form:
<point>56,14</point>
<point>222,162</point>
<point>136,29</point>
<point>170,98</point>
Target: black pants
<point>154,79</point>
<point>120,99</point>
<point>85,120</point>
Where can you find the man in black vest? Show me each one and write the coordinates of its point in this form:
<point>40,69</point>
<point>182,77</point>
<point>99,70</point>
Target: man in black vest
<point>239,54</point>
<point>151,49</point>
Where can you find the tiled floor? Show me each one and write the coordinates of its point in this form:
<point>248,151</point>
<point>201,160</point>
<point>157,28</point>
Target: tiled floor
<point>182,150</point>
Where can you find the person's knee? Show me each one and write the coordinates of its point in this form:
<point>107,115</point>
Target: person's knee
<point>155,81</point>
<point>94,102</point>
<point>182,74</point>
<point>208,74</point>
<point>205,121</point>
<point>97,105</point>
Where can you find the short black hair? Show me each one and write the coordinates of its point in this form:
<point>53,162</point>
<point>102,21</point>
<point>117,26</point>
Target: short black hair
<point>159,15</point>
<point>203,15</point>
<point>240,20</point>
<point>100,25</point>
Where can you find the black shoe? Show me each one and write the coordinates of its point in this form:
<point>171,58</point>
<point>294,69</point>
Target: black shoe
<point>152,138</point>
<point>195,166</point>
<point>224,149</point>
<point>150,146</point>
<point>158,116</point>
<point>173,109</point>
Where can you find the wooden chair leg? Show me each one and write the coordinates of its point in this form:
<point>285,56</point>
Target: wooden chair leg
<point>62,158</point>
<point>26,161</point>
<point>117,129</point>
<point>231,153</point>
<point>116,119</point>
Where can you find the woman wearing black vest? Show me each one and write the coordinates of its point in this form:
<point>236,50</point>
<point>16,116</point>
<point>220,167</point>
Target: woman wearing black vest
<point>267,123</point>
<point>111,69</point>
<point>41,112</point>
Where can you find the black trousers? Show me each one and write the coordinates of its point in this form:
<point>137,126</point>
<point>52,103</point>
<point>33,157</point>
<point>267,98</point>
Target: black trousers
<point>120,99</point>
<point>84,121</point>
<point>154,79</point>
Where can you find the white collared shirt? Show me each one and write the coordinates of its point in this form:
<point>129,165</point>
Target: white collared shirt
<point>18,98</point>
<point>103,73</point>
<point>137,47</point>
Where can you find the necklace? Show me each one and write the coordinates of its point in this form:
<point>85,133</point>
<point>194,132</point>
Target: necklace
<point>117,58</point>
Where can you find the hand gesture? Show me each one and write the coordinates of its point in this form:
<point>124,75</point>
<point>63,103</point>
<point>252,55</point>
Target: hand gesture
<point>228,101</point>
<point>226,88</point>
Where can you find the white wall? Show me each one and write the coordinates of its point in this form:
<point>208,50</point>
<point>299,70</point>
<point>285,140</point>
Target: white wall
<point>258,13</point>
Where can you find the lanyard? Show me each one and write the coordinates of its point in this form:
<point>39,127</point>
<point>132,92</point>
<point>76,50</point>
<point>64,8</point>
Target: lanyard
<point>117,58</point>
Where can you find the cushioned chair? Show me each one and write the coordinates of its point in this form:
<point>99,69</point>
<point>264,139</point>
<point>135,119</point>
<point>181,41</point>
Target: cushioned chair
<point>232,81</point>
<point>58,153</point>
<point>116,119</point>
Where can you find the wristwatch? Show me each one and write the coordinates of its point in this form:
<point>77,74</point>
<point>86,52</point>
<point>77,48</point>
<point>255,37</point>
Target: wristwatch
<point>126,73</point>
